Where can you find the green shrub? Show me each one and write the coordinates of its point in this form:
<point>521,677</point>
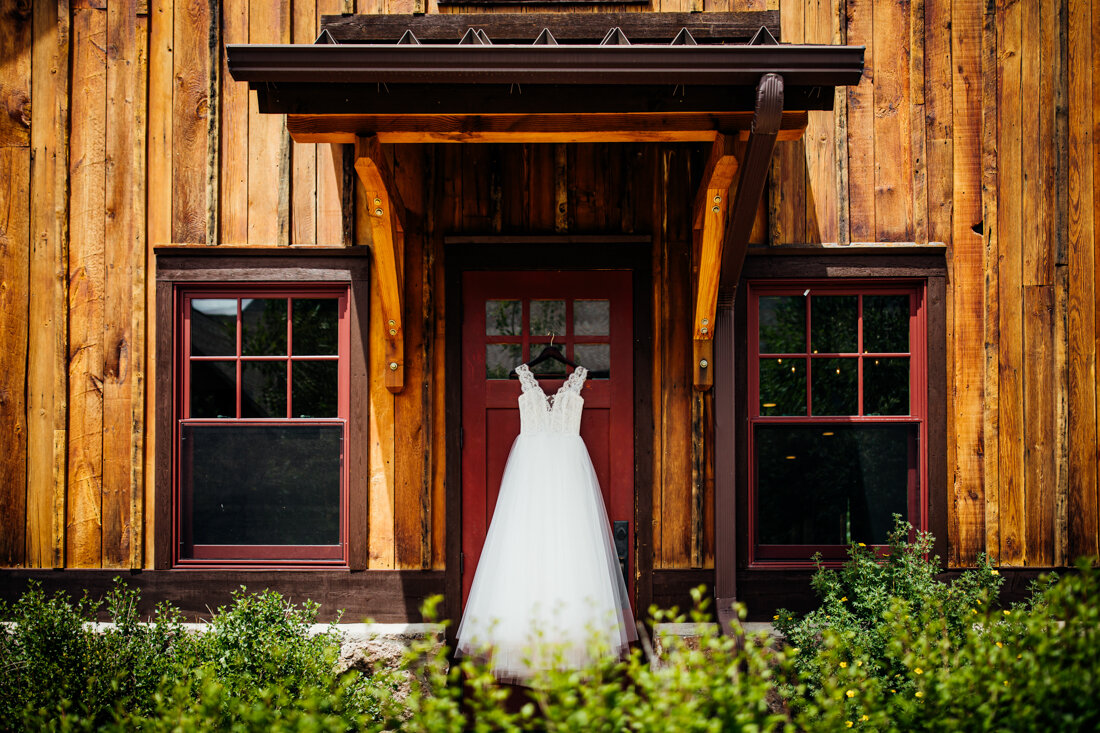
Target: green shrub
<point>862,602</point>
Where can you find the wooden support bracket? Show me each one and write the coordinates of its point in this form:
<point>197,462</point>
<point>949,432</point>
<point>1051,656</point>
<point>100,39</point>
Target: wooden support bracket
<point>726,227</point>
<point>387,216</point>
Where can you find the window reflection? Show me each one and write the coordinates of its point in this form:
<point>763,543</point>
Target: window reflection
<point>783,386</point>
<point>835,386</point>
<point>782,324</point>
<point>263,327</point>
<point>886,323</point>
<point>834,320</point>
<point>885,385</point>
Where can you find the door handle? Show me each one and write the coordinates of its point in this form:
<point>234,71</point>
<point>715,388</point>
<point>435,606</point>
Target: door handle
<point>622,547</point>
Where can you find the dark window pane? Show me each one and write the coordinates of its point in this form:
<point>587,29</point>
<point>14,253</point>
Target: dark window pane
<point>263,389</point>
<point>833,322</point>
<point>213,389</point>
<point>596,358</point>
<point>314,388</point>
<point>591,317</point>
<point>835,388</point>
<point>831,484</point>
<point>316,326</point>
<point>782,324</point>
<point>214,327</point>
<point>503,317</point>
<point>547,316</point>
<point>885,386</point>
<point>263,327</point>
<point>783,386</point>
<point>886,323</point>
<point>501,359</point>
<point>263,485</point>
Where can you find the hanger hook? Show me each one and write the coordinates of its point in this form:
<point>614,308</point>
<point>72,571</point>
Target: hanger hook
<point>551,334</point>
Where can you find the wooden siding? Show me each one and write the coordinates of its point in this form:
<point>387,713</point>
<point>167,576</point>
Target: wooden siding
<point>123,130</point>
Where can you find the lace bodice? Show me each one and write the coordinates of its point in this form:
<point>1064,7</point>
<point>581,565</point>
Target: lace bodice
<point>557,413</point>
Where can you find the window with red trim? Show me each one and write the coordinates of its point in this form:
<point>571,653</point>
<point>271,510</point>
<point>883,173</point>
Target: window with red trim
<point>262,420</point>
<point>837,414</point>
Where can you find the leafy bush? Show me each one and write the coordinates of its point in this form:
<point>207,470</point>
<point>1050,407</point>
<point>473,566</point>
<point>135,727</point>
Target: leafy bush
<point>862,602</point>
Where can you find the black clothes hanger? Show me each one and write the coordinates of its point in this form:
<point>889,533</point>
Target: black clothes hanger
<point>548,352</point>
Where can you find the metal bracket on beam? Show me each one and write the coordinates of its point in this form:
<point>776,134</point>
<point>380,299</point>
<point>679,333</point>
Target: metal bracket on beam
<point>386,216</point>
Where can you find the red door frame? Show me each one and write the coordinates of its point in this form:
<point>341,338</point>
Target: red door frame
<point>480,394</point>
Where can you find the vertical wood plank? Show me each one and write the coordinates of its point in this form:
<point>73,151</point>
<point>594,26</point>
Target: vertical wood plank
<point>15,243</point>
<point>1081,310</point>
<point>86,297</point>
<point>303,184</point>
<point>788,193</point>
<point>119,227</point>
<point>939,145</point>
<point>47,363</point>
<point>892,139</point>
<point>15,169</point>
<point>233,115</point>
<point>268,147</point>
<point>820,139</point>
<point>916,112</point>
<point>968,283</point>
<point>140,292</point>
<point>190,105</point>
<point>861,125</point>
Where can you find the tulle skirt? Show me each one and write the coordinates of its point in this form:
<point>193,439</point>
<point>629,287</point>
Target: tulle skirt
<point>548,591</point>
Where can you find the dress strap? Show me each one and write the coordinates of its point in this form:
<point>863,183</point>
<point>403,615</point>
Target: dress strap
<point>576,380</point>
<point>527,379</point>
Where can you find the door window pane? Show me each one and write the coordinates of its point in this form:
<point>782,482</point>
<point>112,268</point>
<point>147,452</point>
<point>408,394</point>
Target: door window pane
<point>263,485</point>
<point>782,324</point>
<point>783,386</point>
<point>316,326</point>
<point>833,324</point>
<point>214,327</point>
<point>213,389</point>
<point>830,484</point>
<point>501,359</point>
<point>263,326</point>
<point>503,317</point>
<point>551,367</point>
<point>835,386</point>
<point>591,317</point>
<point>596,358</point>
<point>547,316</point>
<point>886,323</point>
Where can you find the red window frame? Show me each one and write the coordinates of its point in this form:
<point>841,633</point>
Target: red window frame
<point>799,556</point>
<point>186,553</point>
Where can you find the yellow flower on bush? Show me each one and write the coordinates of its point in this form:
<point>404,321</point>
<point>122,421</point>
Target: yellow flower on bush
<point>1000,645</point>
<point>847,724</point>
<point>1006,683</point>
<point>844,599</point>
<point>850,693</point>
<point>862,544</point>
<point>859,662</point>
<point>920,694</point>
<point>864,718</point>
<point>1007,612</point>
<point>775,617</point>
<point>918,670</point>
<point>994,571</point>
<point>843,665</point>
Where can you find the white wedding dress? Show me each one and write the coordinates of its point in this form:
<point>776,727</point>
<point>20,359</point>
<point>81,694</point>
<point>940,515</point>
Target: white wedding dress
<point>548,591</point>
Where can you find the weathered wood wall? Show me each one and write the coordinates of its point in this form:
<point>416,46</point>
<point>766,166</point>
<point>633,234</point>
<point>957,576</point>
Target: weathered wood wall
<point>121,129</point>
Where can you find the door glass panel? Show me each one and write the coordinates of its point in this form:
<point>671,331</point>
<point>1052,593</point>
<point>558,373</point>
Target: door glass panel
<point>591,317</point>
<point>835,386</point>
<point>501,359</point>
<point>596,358</point>
<point>782,324</point>
<point>783,386</point>
<point>885,386</point>
<point>263,327</point>
<point>263,389</point>
<point>833,323</point>
<point>213,389</point>
<point>503,317</point>
<point>214,327</point>
<point>316,322</point>
<point>886,323</point>
<point>547,316</point>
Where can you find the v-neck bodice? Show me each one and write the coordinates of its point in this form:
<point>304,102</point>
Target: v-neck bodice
<point>558,413</point>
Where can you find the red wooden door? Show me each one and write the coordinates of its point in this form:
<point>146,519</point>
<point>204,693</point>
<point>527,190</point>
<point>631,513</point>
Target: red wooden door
<point>506,318</point>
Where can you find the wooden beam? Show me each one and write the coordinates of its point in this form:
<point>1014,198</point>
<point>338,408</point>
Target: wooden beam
<point>386,215</point>
<point>534,128</point>
<point>752,176</point>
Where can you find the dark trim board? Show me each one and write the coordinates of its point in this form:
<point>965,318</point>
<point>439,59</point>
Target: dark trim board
<point>388,596</point>
<point>496,252</point>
